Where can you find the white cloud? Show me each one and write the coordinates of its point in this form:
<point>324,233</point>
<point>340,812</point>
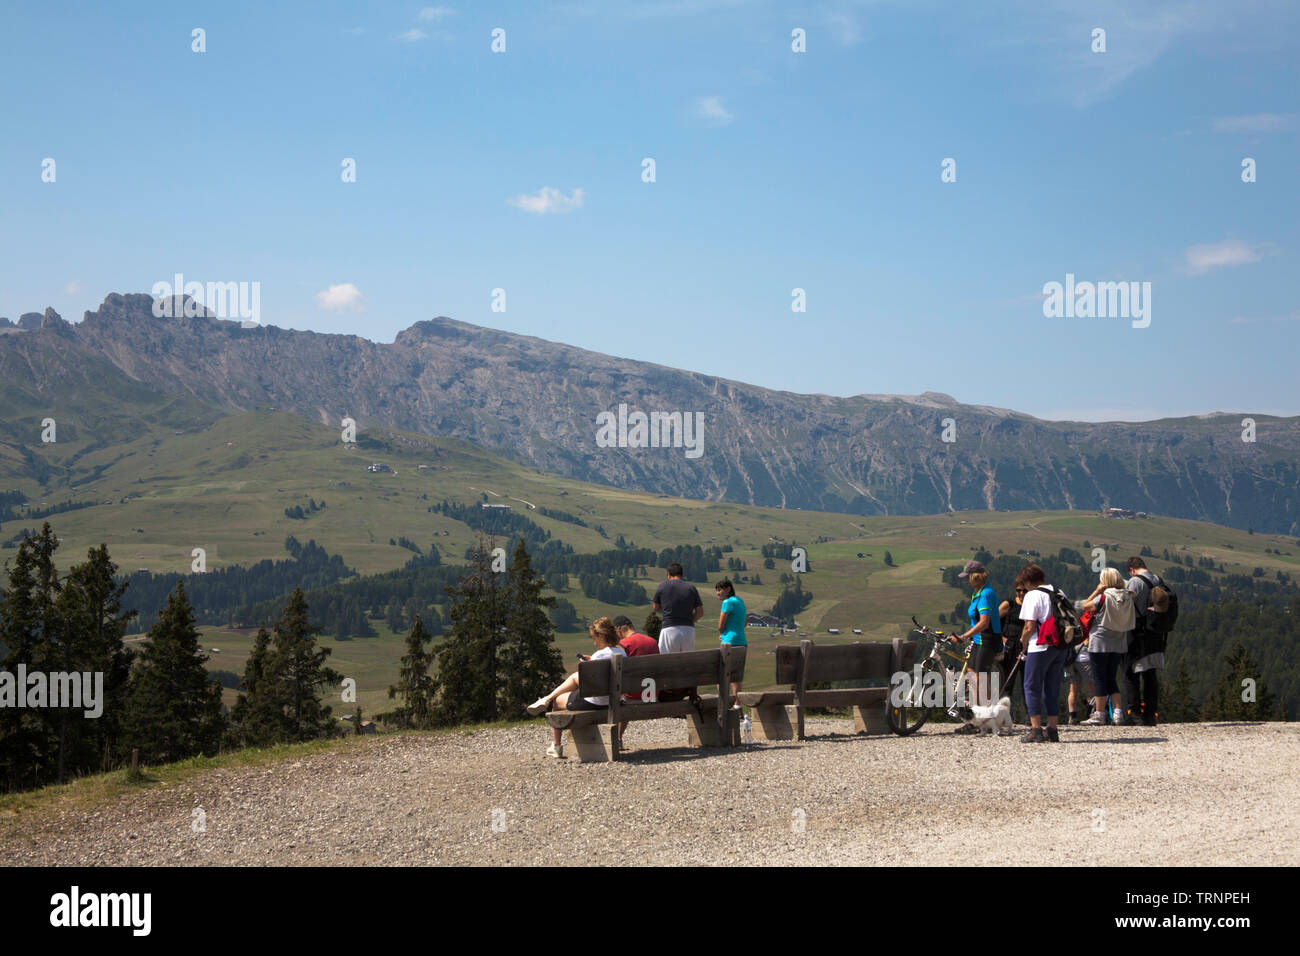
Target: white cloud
<point>548,199</point>
<point>846,29</point>
<point>413,35</point>
<point>711,110</point>
<point>1056,38</point>
<point>340,298</point>
<point>72,288</point>
<point>1213,255</point>
<point>1256,123</point>
<point>434,14</point>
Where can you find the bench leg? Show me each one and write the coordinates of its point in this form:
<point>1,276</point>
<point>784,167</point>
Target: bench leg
<point>706,732</point>
<point>589,743</point>
<point>775,722</point>
<point>870,720</point>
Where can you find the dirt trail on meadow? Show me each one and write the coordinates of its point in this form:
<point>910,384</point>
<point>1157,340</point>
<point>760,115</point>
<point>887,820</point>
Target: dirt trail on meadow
<point>1186,794</point>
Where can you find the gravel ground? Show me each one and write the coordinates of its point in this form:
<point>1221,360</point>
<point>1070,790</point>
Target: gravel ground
<point>1184,794</point>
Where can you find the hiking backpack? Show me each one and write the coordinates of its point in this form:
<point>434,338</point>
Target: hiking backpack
<point>1160,622</point>
<point>1062,628</point>
<point>1118,612</point>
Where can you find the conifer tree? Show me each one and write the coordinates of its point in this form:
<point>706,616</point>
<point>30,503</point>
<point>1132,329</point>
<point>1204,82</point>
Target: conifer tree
<point>295,668</point>
<point>257,718</point>
<point>466,682</point>
<point>1240,693</point>
<point>1177,706</point>
<point>94,624</point>
<point>173,705</point>
<point>29,638</point>
<point>414,684</point>
<point>530,663</point>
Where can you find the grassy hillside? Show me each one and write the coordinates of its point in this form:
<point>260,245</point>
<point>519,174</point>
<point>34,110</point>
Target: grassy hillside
<point>224,486</point>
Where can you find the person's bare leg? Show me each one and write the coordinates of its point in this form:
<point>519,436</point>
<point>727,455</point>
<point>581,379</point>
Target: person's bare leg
<point>557,735</point>
<point>570,683</point>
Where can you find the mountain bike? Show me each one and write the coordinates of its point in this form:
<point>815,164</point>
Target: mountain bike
<point>938,669</point>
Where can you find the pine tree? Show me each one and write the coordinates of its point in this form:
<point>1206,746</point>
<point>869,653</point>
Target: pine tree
<point>296,667</point>
<point>466,683</point>
<point>414,685</point>
<point>257,718</point>
<point>1226,701</point>
<point>95,624</point>
<point>173,707</point>
<point>29,637</point>
<point>1177,706</point>
<point>530,663</point>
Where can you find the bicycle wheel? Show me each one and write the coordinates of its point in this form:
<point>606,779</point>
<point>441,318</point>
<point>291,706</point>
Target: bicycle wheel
<point>908,718</point>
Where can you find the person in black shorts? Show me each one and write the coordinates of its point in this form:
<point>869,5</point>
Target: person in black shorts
<point>986,630</point>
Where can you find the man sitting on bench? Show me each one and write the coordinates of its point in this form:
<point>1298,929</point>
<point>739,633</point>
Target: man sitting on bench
<point>565,697</point>
<point>634,644</point>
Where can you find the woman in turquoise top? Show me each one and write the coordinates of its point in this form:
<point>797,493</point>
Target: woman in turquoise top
<point>986,631</point>
<point>731,622</point>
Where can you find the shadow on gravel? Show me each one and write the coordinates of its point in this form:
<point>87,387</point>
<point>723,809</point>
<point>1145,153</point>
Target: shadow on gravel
<point>1240,723</point>
<point>1122,740</point>
<point>673,754</point>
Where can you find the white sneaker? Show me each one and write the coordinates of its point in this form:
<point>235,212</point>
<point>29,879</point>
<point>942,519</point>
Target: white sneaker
<point>539,706</point>
<point>554,751</point>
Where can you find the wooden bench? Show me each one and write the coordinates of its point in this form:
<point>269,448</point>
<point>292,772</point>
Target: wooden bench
<point>711,721</point>
<point>780,713</point>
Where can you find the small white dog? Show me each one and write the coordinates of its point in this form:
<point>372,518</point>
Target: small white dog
<point>995,718</point>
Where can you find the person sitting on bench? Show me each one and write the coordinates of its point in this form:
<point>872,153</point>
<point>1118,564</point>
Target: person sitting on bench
<point>566,697</point>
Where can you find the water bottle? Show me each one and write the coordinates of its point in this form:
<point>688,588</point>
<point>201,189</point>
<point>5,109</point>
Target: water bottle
<point>747,730</point>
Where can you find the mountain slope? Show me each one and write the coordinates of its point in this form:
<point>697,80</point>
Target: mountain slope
<point>537,402</point>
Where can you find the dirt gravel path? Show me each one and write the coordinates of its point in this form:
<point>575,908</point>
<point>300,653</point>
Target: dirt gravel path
<point>1185,794</point>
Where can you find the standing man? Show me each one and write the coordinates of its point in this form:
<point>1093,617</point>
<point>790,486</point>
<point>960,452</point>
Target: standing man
<point>1146,652</point>
<point>679,604</point>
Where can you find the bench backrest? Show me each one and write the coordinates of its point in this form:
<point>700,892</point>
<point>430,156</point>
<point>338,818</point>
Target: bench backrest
<point>805,663</point>
<point>669,671</point>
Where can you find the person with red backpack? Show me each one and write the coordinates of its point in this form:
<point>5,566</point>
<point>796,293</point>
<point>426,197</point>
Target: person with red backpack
<point>1049,628</point>
<point>1157,609</point>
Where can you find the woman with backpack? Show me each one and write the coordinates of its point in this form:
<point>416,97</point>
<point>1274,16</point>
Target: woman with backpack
<point>1044,615</point>
<point>1113,618</point>
<point>1013,670</point>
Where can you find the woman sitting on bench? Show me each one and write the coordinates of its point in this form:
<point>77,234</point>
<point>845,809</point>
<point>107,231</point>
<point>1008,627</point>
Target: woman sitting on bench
<point>566,697</point>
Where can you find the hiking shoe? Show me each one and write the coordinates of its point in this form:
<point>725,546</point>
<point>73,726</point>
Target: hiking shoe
<point>539,706</point>
<point>1052,736</point>
<point>1148,722</point>
<point>1035,736</point>
<point>1096,720</point>
<point>1125,720</point>
<point>554,751</point>
<point>1075,719</point>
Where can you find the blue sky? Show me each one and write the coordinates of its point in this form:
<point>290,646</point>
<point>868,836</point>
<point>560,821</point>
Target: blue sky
<point>775,170</point>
